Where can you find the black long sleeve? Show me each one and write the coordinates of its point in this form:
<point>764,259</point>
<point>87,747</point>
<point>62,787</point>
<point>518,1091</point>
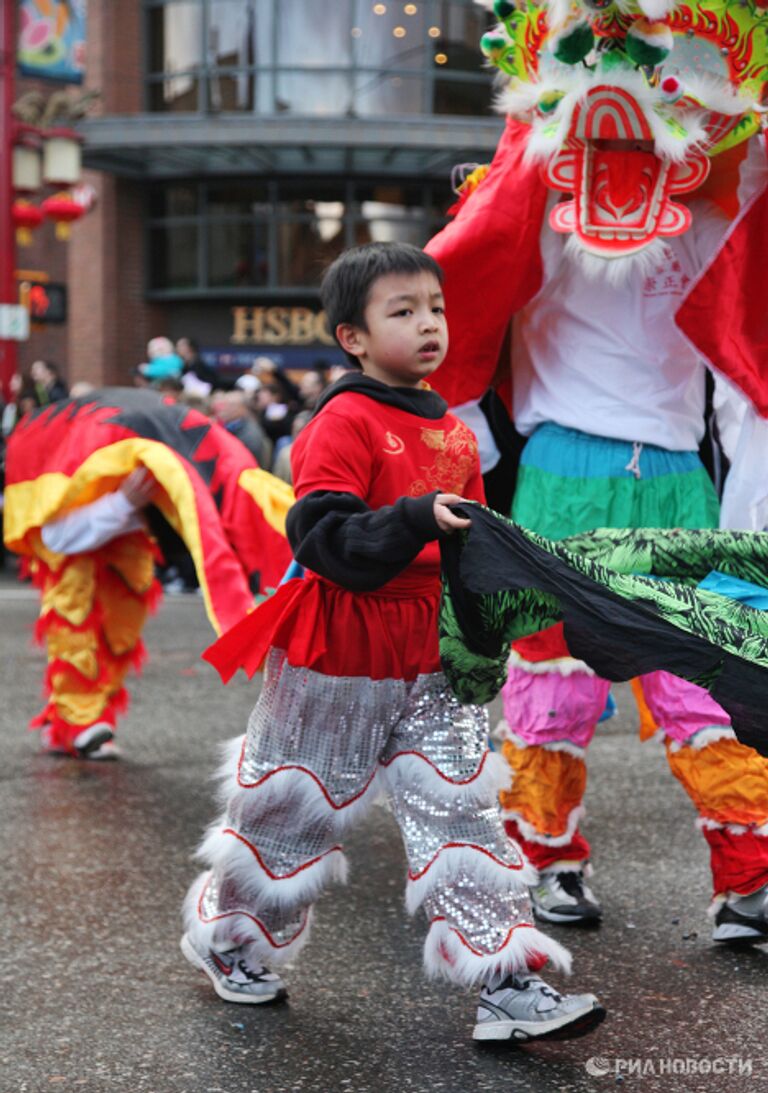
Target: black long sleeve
<point>339,537</point>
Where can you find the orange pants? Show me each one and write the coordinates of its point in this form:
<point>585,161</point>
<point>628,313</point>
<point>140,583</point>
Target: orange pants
<point>551,719</point>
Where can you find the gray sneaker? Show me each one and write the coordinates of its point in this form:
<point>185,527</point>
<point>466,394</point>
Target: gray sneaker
<point>524,1008</point>
<point>233,978</point>
<point>563,897</point>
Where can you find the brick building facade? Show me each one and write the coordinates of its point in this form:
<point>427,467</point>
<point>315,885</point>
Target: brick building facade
<point>228,168</point>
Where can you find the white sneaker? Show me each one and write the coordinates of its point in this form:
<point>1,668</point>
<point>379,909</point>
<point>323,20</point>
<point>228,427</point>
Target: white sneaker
<point>92,738</point>
<point>234,978</point>
<point>524,1007</point>
<point>108,751</point>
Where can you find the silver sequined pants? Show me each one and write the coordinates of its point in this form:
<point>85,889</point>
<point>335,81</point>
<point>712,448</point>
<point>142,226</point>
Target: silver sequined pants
<point>318,750</point>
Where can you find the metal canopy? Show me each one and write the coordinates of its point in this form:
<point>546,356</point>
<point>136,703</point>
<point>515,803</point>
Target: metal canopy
<point>161,146</point>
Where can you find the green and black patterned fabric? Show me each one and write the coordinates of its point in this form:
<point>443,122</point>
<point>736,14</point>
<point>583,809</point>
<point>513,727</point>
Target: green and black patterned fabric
<point>502,582</point>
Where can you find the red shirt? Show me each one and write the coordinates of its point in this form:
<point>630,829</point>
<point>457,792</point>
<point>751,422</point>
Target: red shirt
<point>380,453</point>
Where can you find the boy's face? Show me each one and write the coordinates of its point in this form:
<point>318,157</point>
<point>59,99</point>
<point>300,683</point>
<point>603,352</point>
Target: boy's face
<point>407,335</point>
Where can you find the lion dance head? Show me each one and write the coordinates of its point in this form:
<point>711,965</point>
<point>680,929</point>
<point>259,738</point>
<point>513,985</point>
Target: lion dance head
<point>630,103</point>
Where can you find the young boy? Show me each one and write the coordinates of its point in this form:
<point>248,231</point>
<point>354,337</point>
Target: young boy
<point>354,702</point>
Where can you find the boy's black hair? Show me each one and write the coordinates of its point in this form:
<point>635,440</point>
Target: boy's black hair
<point>346,284</point>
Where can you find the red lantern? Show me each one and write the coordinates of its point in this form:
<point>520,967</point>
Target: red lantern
<point>27,218</point>
<point>63,210</point>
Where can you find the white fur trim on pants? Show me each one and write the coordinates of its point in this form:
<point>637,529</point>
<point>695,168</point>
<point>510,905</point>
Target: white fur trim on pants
<point>561,666</point>
<point>317,752</point>
<point>262,942</point>
<point>529,832</point>
<point>448,956</point>
<point>703,738</point>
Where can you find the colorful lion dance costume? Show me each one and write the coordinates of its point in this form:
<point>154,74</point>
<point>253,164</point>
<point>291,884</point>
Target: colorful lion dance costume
<point>620,235</point>
<point>228,512</point>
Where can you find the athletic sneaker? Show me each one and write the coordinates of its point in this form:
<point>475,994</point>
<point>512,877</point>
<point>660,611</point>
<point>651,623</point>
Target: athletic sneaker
<point>92,738</point>
<point>524,1008</point>
<point>564,897</point>
<point>108,751</point>
<point>743,920</point>
<point>234,978</point>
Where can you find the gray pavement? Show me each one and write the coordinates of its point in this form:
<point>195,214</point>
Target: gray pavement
<point>96,859</point>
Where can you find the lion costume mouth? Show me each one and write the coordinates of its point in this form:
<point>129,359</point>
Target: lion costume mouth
<point>621,196</point>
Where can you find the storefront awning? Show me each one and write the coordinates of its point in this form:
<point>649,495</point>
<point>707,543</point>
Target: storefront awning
<point>172,145</point>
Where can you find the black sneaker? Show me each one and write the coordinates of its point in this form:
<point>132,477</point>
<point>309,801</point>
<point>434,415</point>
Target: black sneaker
<point>743,920</point>
<point>563,897</point>
<point>234,978</point>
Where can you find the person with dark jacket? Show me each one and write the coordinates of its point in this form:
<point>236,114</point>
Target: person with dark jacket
<point>194,365</point>
<point>49,386</point>
<point>230,409</point>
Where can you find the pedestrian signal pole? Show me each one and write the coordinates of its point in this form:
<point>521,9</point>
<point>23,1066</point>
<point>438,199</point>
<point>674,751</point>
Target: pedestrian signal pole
<point>8,295</point>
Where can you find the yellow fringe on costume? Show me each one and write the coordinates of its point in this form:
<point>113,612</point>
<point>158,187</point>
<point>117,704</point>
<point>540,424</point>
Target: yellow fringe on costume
<point>92,613</point>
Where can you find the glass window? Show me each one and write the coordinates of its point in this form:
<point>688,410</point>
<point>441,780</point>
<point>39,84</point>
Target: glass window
<point>230,92</point>
<point>314,34</point>
<point>381,226</point>
<point>173,257</point>
<point>390,193</point>
<point>278,233</point>
<point>177,94</point>
<point>460,86</point>
<point>459,97</point>
<point>460,28</point>
<point>382,93</point>
<point>175,36</point>
<point>303,195</point>
<point>337,58</point>
<point>304,249</point>
<point>238,40</point>
<point>389,37</point>
<point>173,200</point>
<point>234,29</point>
<point>238,253</point>
<point>235,92</point>
<point>328,94</point>
<point>238,199</point>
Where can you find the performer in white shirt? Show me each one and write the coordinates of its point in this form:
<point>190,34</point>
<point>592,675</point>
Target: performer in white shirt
<point>580,236</point>
<point>81,714</point>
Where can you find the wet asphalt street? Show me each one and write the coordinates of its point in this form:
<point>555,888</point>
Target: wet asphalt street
<point>96,859</point>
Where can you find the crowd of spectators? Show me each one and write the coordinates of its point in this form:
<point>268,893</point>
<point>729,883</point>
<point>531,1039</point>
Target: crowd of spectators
<point>263,407</point>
